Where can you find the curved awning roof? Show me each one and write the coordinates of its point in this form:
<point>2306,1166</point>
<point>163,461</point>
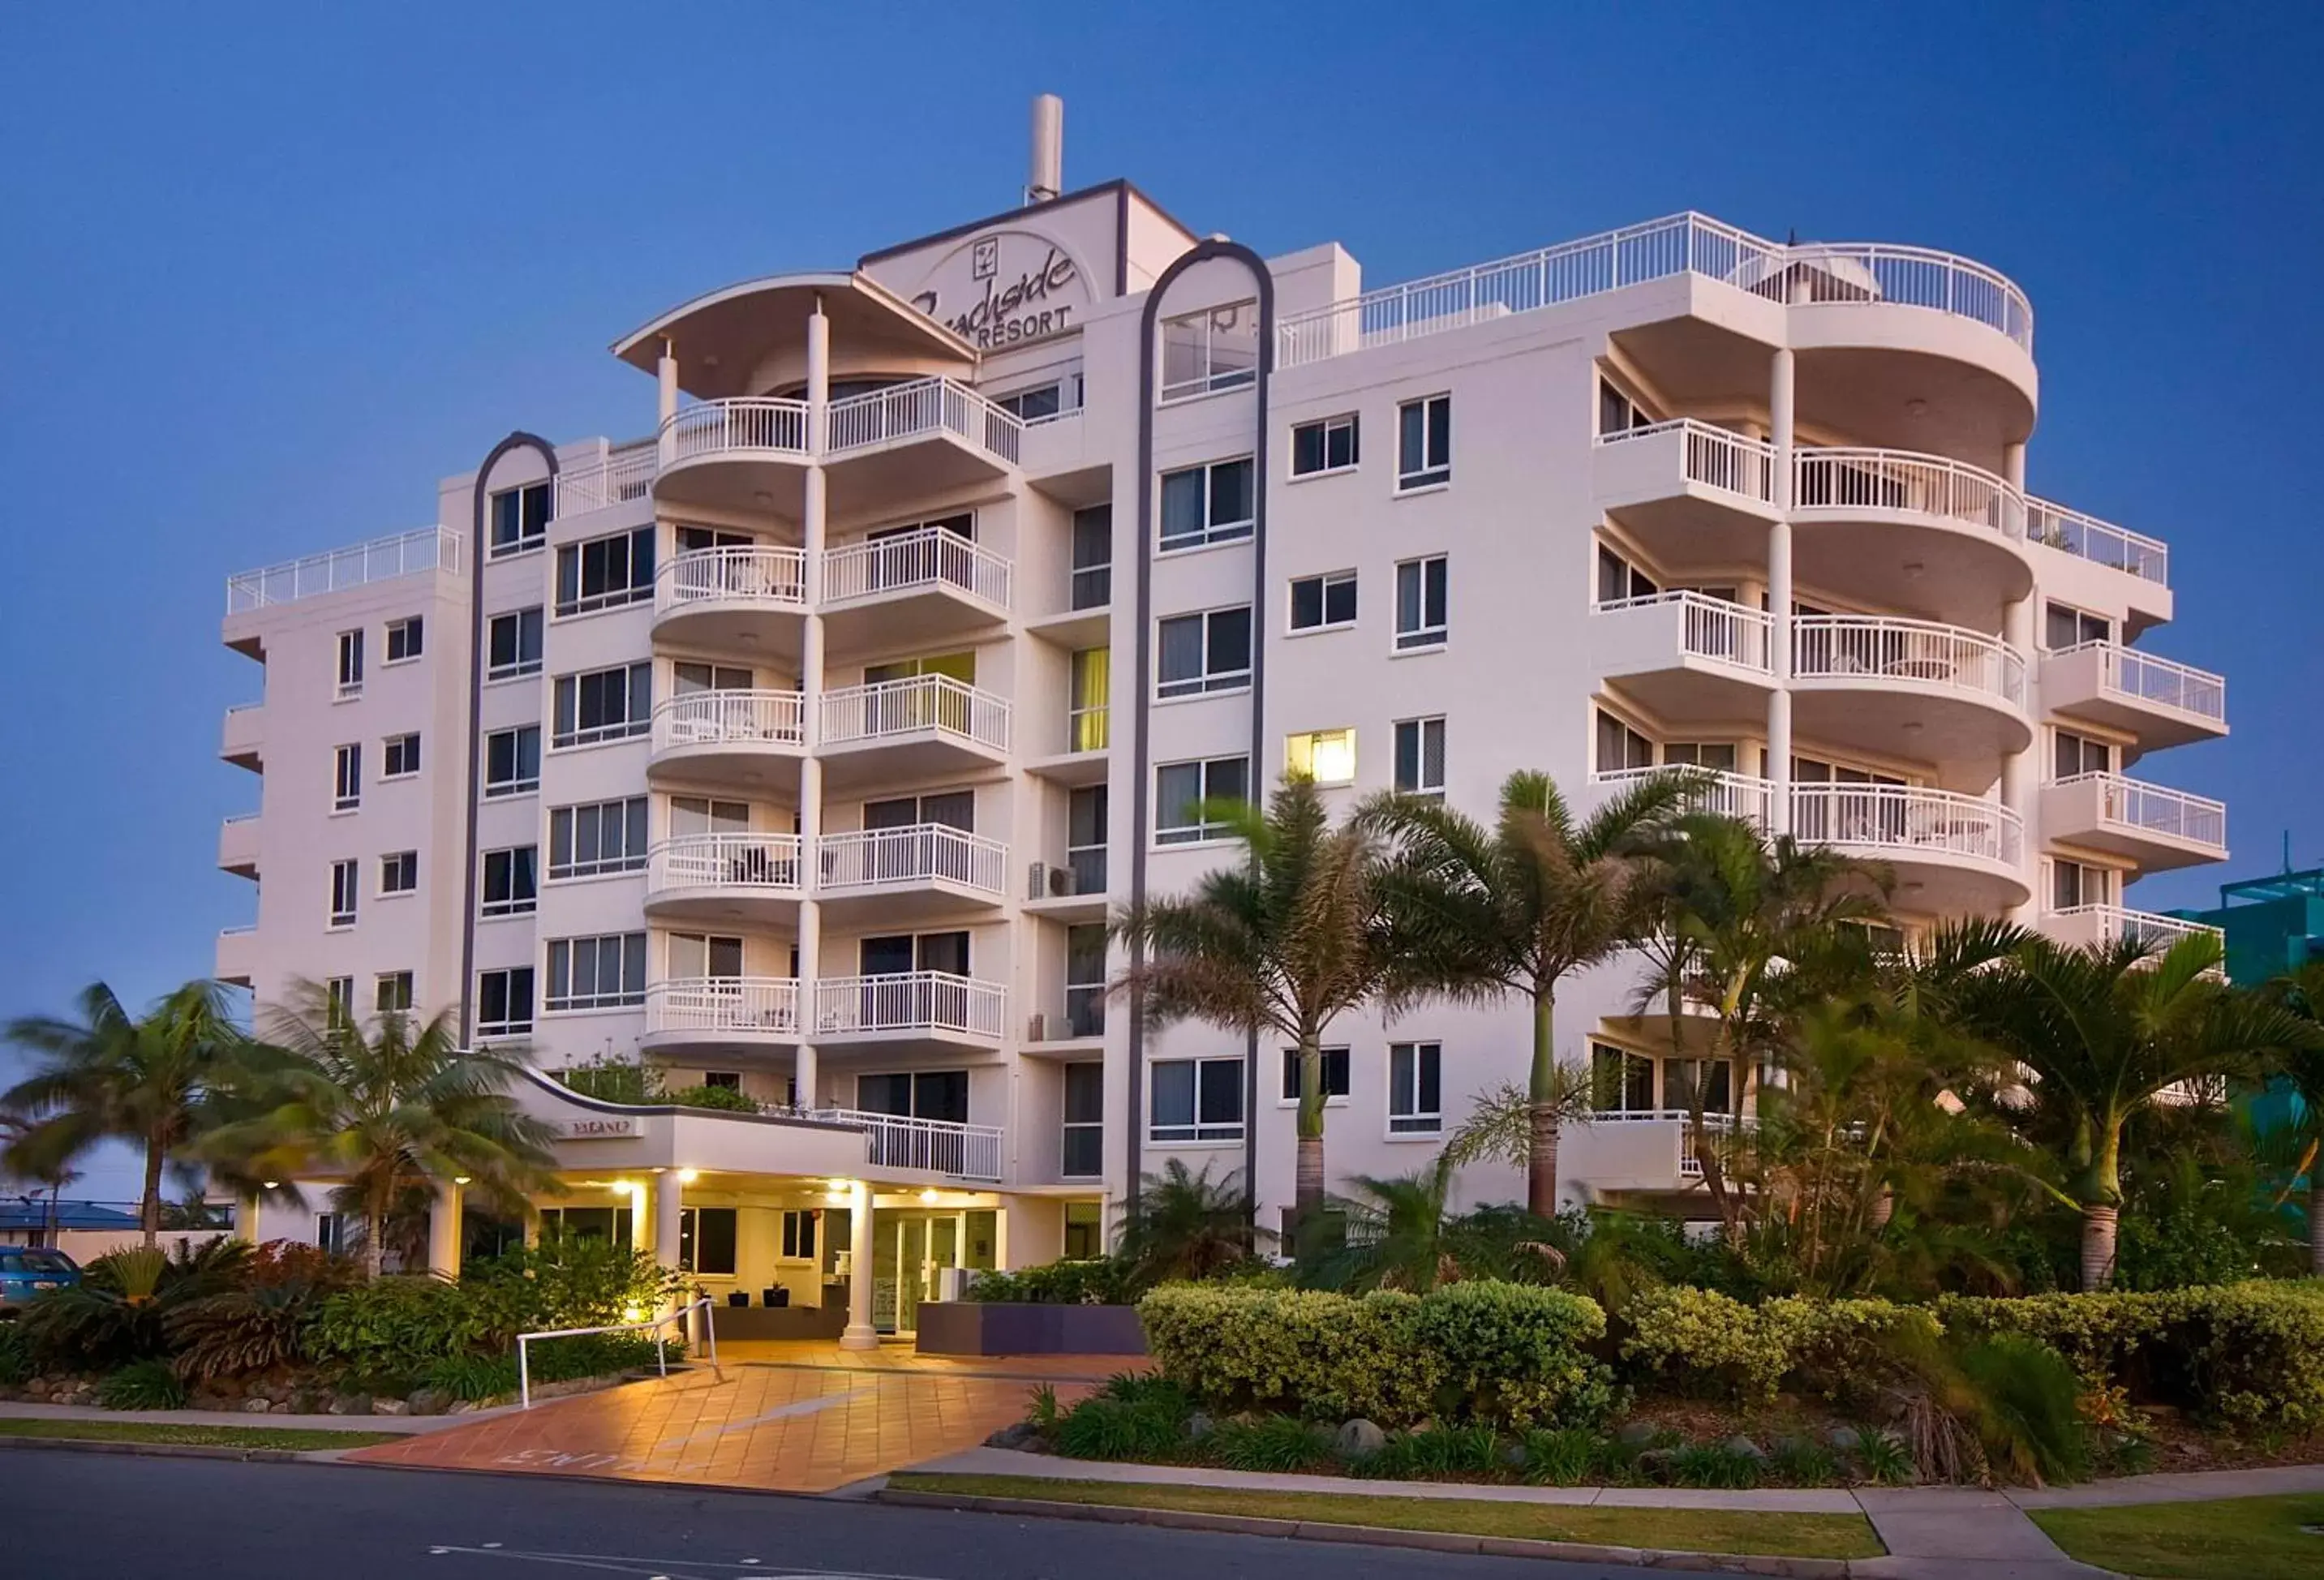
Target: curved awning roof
<point>722,337</point>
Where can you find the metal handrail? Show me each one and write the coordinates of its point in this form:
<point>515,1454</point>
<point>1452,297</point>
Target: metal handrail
<point>889,708</point>
<point>753,572</point>
<point>1712,790</point>
<point>2149,679</point>
<point>1709,628</point>
<point>744,422</point>
<point>924,406</point>
<point>1906,818</point>
<point>1842,479</point>
<point>626,473</point>
<point>1839,646</point>
<point>719,860</point>
<point>1713,457</point>
<point>711,718</point>
<point>661,1356</point>
<point>2136,804</point>
<point>931,556</point>
<point>406,553</point>
<point>917,852</point>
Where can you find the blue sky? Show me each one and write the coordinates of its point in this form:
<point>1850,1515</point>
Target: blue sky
<point>271,272</point>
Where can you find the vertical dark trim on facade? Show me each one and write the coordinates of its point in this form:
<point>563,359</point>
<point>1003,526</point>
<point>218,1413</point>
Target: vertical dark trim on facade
<point>519,440</point>
<point>1142,787</point>
<point>1121,240</point>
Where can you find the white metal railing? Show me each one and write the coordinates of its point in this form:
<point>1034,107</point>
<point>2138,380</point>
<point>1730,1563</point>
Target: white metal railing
<point>1715,457</point>
<point>938,1147</point>
<point>2173,814</point>
<point>748,573</point>
<point>651,1325</point>
<point>925,406</point>
<point>725,860</point>
<point>929,557</point>
<point>918,853</point>
<point>750,422</point>
<point>910,1001</point>
<point>1714,791</point>
<point>2110,924</point>
<point>241,817</point>
<point>746,718</point>
<point>2144,677</point>
<point>913,704</point>
<point>724,1004</point>
<point>1682,244</point>
<point>430,548</point>
<point>1835,647</point>
<point>2100,542</point>
<point>625,473</point>
<point>241,930</point>
<point>1709,628</point>
<point>1906,820</point>
<point>1837,479</point>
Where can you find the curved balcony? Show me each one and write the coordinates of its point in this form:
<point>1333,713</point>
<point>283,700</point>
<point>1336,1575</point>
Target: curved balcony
<point>722,1012</point>
<point>932,1010</point>
<point>1951,854</point>
<point>1725,795</point>
<point>927,436</point>
<point>2161,702</point>
<point>754,738</point>
<point>1688,491</point>
<point>908,874</point>
<point>745,453</point>
<point>927,725</point>
<point>2159,829</point>
<point>747,599</point>
<point>724,878</point>
<point>1894,527</point>
<point>914,589</point>
<point>2104,926</point>
<point>1937,692</point>
<point>1693,660</point>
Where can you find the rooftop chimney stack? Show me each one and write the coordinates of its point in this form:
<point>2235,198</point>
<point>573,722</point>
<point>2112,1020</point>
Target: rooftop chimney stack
<point>1048,175</point>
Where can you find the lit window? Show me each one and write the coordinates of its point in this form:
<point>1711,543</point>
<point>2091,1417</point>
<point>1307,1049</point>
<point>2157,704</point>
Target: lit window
<point>513,761</point>
<point>351,666</point>
<point>1420,757</point>
<point>505,1002</point>
<point>1328,757</point>
<point>347,777</point>
<point>1196,1099</point>
<point>1215,349</point>
<point>1335,1074</point>
<point>1208,504</point>
<point>1319,602</point>
<point>1420,603</point>
<point>520,519</point>
<point>1188,797</point>
<point>344,885</point>
<point>512,645</point>
<point>1415,1088</point>
<point>1423,443</point>
<point>404,638</point>
<point>400,756</point>
<point>1329,446</point>
<point>510,881</point>
<point>1209,652</point>
<point>398,872</point>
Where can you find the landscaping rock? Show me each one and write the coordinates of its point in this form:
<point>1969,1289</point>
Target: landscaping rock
<point>1513,1454</point>
<point>1842,1439</point>
<point>464,1407</point>
<point>256,1407</point>
<point>1743,1445</point>
<point>354,1405</point>
<point>429,1402</point>
<point>1635,1434</point>
<point>1656,1462</point>
<point>1359,1439</point>
<point>1015,1435</point>
<point>1200,1426</point>
<point>389,1407</point>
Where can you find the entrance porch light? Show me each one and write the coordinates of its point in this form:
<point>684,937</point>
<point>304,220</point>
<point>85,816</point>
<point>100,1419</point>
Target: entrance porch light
<point>928,1195</point>
<point>689,1176</point>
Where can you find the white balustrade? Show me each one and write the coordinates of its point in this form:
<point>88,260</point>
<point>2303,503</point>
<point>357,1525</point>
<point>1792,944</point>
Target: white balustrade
<point>2108,924</point>
<point>928,557</point>
<point>910,1001</point>
<point>1839,646</point>
<point>2144,677</point>
<point>724,860</point>
<point>624,475</point>
<point>918,854</point>
<point>936,1146</point>
<point>758,423</point>
<point>1713,790</point>
<point>749,573</point>
<point>2099,542</point>
<point>921,407</point>
<point>727,1006</point>
<point>430,548</point>
<point>1715,457</point>
<point>910,706</point>
<point>1840,480</point>
<point>1907,820</point>
<point>2173,814</point>
<point>714,718</point>
<point>1709,628</point>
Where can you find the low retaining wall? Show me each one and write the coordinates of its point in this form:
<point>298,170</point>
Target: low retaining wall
<point>1011,1327</point>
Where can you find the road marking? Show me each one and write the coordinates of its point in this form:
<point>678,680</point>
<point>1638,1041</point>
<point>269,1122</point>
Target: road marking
<point>654,1570</point>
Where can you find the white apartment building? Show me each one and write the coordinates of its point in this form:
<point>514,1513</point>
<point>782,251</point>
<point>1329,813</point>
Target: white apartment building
<point>805,743</point>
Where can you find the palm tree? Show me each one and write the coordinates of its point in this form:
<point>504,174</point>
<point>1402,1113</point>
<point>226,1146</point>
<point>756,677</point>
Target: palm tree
<point>1515,908</point>
<point>2301,992</point>
<point>1397,1234</point>
<point>389,1107</point>
<point>1184,1224</point>
<point>109,1076</point>
<point>1277,945</point>
<point>2104,1034</point>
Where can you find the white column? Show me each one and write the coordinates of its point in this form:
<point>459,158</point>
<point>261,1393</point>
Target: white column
<point>1777,769</point>
<point>246,1219</point>
<point>2021,773</point>
<point>806,1075</point>
<point>666,374</point>
<point>666,1191</point>
<point>860,1334</point>
<point>444,1230</point>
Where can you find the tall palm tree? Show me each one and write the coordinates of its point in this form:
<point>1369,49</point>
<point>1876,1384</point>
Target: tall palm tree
<point>2105,1033</point>
<point>145,1080</point>
<point>388,1108</point>
<point>1275,945</point>
<point>2301,992</point>
<point>1518,908</point>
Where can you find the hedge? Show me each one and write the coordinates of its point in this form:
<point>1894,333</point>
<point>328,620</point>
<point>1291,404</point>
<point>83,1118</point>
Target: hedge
<point>1699,1341</point>
<point>1105,1282</point>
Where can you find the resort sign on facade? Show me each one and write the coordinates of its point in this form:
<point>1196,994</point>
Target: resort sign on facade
<point>1004,288</point>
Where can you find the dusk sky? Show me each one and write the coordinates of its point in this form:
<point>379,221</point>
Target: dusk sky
<point>276,271</point>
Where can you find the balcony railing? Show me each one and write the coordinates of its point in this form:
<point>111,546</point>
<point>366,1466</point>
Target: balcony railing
<point>2142,677</point>
<point>2108,924</point>
<point>1709,628</point>
<point>2172,813</point>
<point>431,549</point>
<point>919,853</point>
<point>751,574</point>
<point>1723,794</point>
<point>739,718</point>
<point>924,407</point>
<point>754,422</point>
<point>936,1146</point>
<point>1818,273</point>
<point>1906,822</point>
<point>728,860</point>
<point>929,557</point>
<point>767,1006</point>
<point>624,475</point>
<point>910,1001</point>
<point>1713,457</point>
<point>1835,647</point>
<point>2100,542</point>
<point>1899,479</point>
<point>920,703</point>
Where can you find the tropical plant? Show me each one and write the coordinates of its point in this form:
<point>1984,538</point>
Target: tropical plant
<point>2301,992</point>
<point>1184,1224</point>
<point>1515,909</point>
<point>1397,1235</point>
<point>146,1079</point>
<point>147,1384</point>
<point>261,1321</point>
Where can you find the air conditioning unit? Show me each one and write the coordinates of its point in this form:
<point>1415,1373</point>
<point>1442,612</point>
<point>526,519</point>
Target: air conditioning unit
<point>1061,882</point>
<point>1037,1027</point>
<point>1037,881</point>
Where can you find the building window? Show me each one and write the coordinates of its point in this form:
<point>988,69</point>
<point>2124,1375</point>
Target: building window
<point>1424,443</point>
<point>1196,1099</point>
<point>1620,1081</point>
<point>1616,412</point>
<point>1093,553</point>
<point>391,993</point>
<point>331,1236</point>
<point>729,1080</point>
<point>1207,505</point>
<point>513,761</point>
<point>2075,884</point>
<point>1681,1077</point>
<point>1082,1150</point>
<point>512,645</point>
<point>606,573</point>
<point>798,1236</point>
<point>2064,627</point>
<point>505,1002</point>
<point>1328,757</point>
<point>1084,1231</point>
<point>706,1241</point>
<point>1187,796</point>
<point>608,1225</point>
<point>398,872</point>
<point>1420,603</point>
<point>1328,445</point>
<point>1335,1075</point>
<point>1420,757</point>
<point>1208,652</point>
<point>1215,349</point>
<point>1415,1088</point>
<point>1622,747</point>
<point>603,704</point>
<point>520,519</point>
<point>696,957</point>
<point>1618,580</point>
<point>400,756</point>
<point>2074,755</point>
<point>1088,714</point>
<point>351,666</point>
<point>604,836</point>
<point>1719,757</point>
<point>1320,603</point>
<point>1085,841</point>
<point>404,638</point>
<point>1085,980</point>
<point>339,998</point>
<point>344,885</point>
<point>347,777</point>
<point>511,881</point>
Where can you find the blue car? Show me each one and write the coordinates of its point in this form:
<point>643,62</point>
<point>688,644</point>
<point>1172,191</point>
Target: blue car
<point>29,1271</point>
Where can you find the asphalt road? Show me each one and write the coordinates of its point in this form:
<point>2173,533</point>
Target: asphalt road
<point>74,1513</point>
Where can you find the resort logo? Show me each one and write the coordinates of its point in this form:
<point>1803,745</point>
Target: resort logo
<point>1002,289</point>
<point>597,1129</point>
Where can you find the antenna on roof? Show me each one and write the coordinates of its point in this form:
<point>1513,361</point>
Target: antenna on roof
<point>1048,168</point>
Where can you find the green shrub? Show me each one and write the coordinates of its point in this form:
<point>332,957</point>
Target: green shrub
<point>1103,1282</point>
<point>2026,1409</point>
<point>1805,1463</point>
<point>1515,1355</point>
<point>396,1326</point>
<point>1562,1458</point>
<point>1712,1465</point>
<point>1277,1443</point>
<point>475,1378</point>
<point>594,1355</point>
<point>1848,1352</point>
<point>1882,1458</point>
<point>728,1100</point>
<point>1147,1388</point>
<point>1327,1356</point>
<point>1701,1342</point>
<point>147,1384</point>
<point>15,1354</point>
<point>1107,1429</point>
<point>1451,1451</point>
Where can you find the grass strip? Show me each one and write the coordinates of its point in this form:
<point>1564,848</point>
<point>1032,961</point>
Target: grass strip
<point>190,1435</point>
<point>1698,1531</point>
<point>2232,1538</point>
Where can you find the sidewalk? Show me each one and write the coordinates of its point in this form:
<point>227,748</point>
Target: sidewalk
<point>400,1425</point>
